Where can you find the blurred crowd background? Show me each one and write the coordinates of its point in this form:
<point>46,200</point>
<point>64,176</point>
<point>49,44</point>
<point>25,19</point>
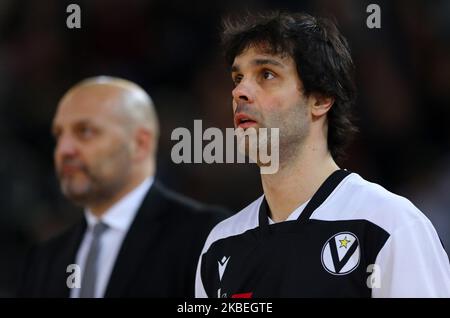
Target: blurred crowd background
<point>171,48</point>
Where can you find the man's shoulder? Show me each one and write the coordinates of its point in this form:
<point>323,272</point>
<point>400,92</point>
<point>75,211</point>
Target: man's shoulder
<point>357,198</point>
<point>43,254</point>
<point>244,220</point>
<point>62,238</point>
<point>183,207</point>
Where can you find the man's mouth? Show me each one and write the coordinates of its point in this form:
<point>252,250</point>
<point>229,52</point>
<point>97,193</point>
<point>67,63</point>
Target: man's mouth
<point>69,170</point>
<point>244,121</point>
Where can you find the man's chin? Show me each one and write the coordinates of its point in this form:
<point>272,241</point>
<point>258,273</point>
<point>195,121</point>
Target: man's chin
<point>253,150</point>
<point>78,199</point>
<point>80,195</point>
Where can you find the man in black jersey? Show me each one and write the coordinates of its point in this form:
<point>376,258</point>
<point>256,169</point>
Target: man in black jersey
<point>318,230</point>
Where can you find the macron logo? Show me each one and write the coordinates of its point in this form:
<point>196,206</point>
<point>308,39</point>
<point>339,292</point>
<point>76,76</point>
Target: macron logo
<point>222,265</point>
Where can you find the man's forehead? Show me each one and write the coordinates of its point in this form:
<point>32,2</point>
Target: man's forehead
<point>97,92</point>
<point>254,56</point>
<point>89,103</point>
<point>94,97</point>
<point>77,115</point>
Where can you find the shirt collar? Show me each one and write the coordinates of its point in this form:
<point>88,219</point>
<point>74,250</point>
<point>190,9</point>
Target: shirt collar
<point>294,215</point>
<point>122,213</point>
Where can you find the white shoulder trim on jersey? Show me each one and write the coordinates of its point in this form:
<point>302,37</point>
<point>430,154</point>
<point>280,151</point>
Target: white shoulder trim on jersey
<point>239,223</point>
<point>413,263</point>
<point>357,199</point>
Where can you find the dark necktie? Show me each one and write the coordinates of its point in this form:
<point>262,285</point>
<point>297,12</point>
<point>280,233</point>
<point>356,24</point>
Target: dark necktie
<point>89,278</point>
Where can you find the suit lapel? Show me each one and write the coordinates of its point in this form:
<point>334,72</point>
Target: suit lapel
<point>142,234</point>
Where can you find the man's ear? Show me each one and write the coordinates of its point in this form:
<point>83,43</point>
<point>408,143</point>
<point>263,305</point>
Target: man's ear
<point>320,104</point>
<point>144,143</point>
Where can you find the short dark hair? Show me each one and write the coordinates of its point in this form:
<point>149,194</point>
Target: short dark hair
<point>321,53</point>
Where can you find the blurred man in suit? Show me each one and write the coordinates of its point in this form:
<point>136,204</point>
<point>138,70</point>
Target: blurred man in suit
<point>137,238</point>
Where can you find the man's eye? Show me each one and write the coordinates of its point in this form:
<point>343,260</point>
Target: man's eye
<point>85,132</point>
<point>237,79</point>
<point>268,75</point>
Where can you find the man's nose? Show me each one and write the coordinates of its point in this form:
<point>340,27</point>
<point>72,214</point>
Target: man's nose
<point>65,146</point>
<point>243,92</point>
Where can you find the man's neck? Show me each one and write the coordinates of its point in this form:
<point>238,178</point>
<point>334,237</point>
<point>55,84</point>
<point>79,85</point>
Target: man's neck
<point>100,208</point>
<point>297,180</point>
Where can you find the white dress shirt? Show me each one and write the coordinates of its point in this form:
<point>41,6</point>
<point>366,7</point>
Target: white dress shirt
<point>118,218</point>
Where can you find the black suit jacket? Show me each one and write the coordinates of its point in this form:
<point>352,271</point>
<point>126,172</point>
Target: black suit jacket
<point>158,257</point>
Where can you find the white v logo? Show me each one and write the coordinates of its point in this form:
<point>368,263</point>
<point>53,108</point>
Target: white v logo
<point>222,265</point>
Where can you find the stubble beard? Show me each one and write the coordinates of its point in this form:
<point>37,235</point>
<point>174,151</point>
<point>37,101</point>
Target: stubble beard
<point>97,189</point>
<point>293,134</point>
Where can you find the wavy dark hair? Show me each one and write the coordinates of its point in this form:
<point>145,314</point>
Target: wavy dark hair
<point>320,51</point>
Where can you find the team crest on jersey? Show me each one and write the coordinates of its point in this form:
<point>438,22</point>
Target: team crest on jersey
<point>341,253</point>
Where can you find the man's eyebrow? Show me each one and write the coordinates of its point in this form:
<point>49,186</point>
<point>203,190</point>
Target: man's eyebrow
<point>273,62</point>
<point>81,122</point>
<point>260,62</point>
